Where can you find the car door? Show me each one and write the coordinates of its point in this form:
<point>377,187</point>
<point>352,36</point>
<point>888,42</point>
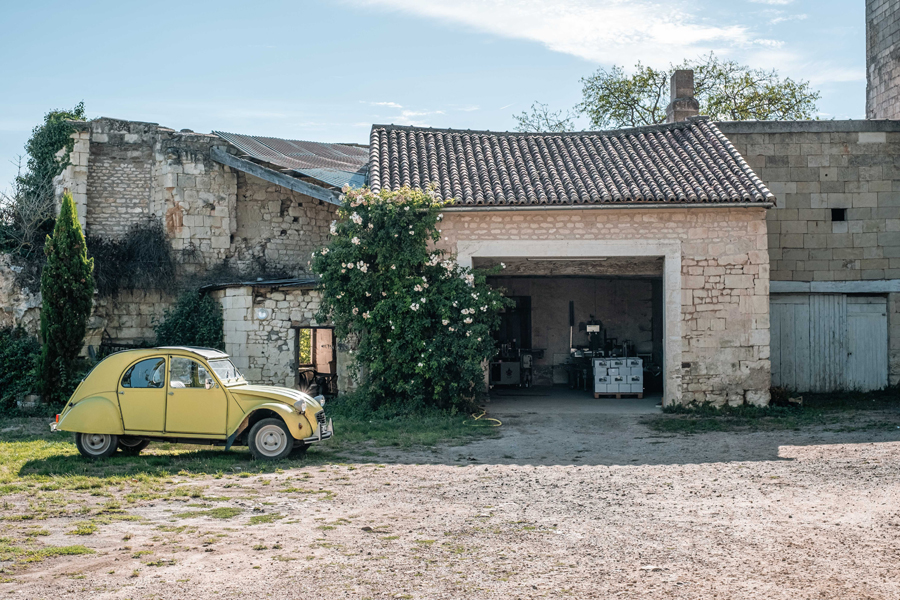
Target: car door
<point>142,395</point>
<point>190,406</point>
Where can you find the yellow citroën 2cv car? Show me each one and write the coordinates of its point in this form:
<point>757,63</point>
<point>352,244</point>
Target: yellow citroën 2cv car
<point>187,395</point>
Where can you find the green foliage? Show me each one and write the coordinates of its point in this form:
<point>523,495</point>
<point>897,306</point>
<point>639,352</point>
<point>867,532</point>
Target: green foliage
<point>542,119</point>
<point>195,320</point>
<point>19,359</point>
<point>46,140</point>
<point>141,259</point>
<point>423,324</point>
<point>726,91</point>
<point>27,214</point>
<point>67,289</point>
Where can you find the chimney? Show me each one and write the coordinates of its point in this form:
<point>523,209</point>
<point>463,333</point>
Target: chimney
<point>683,104</point>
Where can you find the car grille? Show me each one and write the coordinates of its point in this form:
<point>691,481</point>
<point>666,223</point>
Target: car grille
<point>320,417</point>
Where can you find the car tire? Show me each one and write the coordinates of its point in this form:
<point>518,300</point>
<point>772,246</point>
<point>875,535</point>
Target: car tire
<point>132,446</point>
<point>96,445</point>
<point>270,439</point>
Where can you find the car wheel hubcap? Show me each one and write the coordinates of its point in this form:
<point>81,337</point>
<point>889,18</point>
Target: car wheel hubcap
<point>96,443</point>
<point>271,440</point>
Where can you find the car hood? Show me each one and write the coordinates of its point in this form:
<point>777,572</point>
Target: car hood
<point>271,392</point>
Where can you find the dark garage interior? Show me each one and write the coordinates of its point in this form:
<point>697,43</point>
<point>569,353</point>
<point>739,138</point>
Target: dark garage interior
<point>575,321</point>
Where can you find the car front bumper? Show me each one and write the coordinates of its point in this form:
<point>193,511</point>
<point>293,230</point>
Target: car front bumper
<point>323,433</point>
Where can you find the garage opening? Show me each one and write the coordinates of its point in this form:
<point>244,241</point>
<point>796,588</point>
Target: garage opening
<point>588,327</point>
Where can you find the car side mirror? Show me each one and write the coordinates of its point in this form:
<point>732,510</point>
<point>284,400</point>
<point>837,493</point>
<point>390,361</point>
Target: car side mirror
<point>209,383</point>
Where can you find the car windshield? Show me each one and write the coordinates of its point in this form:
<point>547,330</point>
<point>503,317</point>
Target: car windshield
<point>226,371</point>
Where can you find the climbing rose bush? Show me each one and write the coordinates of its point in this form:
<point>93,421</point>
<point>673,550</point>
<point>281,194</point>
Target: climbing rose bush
<point>422,322</point>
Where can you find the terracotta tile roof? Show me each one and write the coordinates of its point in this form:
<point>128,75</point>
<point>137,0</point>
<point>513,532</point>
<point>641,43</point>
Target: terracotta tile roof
<point>691,162</point>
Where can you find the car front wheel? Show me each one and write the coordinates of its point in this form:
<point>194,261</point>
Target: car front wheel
<point>96,445</point>
<point>270,439</point>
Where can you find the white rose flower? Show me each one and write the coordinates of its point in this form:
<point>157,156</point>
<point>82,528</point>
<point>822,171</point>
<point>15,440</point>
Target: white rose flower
<point>355,311</point>
<point>324,251</point>
<point>355,241</point>
<point>445,322</point>
<point>468,321</point>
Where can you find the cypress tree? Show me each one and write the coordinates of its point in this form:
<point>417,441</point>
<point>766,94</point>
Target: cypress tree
<point>67,288</point>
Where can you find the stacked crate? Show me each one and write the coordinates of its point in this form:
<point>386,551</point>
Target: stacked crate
<point>618,376</point>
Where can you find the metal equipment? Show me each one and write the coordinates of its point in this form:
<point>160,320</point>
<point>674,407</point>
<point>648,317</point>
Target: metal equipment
<point>513,366</point>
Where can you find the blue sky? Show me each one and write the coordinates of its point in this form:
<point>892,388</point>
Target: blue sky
<point>327,70</point>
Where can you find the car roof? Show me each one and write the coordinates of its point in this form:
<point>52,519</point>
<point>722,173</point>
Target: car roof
<point>207,353</point>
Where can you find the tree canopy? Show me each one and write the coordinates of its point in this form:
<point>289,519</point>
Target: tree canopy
<point>725,89</point>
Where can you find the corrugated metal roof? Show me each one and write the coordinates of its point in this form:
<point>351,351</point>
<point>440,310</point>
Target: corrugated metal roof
<point>305,282</point>
<point>334,164</point>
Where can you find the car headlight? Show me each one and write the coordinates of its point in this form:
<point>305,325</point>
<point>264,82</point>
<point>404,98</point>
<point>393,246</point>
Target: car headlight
<point>321,400</point>
<point>300,405</point>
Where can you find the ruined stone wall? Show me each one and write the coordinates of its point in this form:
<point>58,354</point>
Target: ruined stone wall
<point>120,163</point>
<point>277,229</point>
<point>882,59</point>
<point>19,306</point>
<point>724,275</point>
<point>130,315</point>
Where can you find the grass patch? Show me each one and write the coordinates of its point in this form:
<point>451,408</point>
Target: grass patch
<point>355,427</point>
<point>260,519</point>
<point>835,412</point>
<point>221,512</point>
<point>84,528</point>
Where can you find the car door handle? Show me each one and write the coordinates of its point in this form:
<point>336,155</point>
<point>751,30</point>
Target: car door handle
<point>121,393</point>
<point>171,393</point>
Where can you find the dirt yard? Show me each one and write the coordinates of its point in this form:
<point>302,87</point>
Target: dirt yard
<point>582,505</point>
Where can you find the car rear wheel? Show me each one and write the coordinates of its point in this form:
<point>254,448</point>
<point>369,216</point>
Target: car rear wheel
<point>132,446</point>
<point>270,439</point>
<point>96,445</point>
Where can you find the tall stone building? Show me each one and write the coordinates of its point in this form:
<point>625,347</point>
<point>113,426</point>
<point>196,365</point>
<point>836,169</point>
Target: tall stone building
<point>882,59</point>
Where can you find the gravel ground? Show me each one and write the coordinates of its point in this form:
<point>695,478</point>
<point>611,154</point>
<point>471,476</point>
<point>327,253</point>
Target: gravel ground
<point>594,506</point>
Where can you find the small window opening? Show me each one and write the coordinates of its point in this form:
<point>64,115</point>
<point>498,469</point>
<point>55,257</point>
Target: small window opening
<point>838,214</point>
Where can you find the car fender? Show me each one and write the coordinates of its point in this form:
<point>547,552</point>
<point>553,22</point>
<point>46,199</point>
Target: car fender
<point>297,424</point>
<point>96,414</point>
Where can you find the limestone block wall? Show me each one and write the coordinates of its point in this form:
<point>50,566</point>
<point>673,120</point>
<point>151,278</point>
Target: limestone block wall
<point>74,178</point>
<point>120,161</point>
<point>882,59</point>
<point>264,350</point>
<point>724,282</point>
<point>277,229</point>
<point>814,167</point>
<point>129,316</point>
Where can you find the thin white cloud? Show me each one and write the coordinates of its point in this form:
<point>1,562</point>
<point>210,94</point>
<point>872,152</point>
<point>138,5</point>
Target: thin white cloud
<point>786,18</point>
<point>615,31</point>
<point>507,106</point>
<point>388,104</point>
<point>769,43</point>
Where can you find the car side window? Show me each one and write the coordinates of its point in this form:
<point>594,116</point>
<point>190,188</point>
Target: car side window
<point>148,373</point>
<point>187,373</point>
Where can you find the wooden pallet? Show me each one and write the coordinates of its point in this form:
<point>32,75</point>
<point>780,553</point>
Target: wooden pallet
<point>618,395</point>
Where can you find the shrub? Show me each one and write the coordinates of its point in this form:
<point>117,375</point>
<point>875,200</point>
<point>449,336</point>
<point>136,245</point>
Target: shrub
<point>20,356</point>
<point>67,289</point>
<point>140,260</point>
<point>195,320</point>
<point>422,322</point>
